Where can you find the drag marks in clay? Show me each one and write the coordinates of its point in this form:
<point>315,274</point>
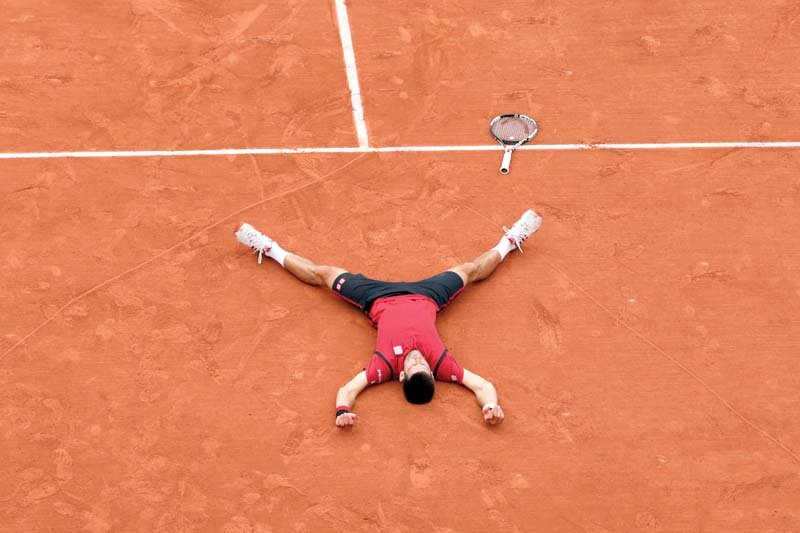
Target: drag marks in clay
<point>549,327</point>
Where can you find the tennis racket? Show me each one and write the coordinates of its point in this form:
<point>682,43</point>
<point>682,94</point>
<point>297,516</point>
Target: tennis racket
<point>512,131</point>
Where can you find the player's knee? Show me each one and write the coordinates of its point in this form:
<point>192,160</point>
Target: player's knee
<point>319,273</point>
<point>326,274</point>
<point>468,271</point>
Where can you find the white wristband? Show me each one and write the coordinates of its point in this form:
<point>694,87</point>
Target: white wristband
<point>489,406</point>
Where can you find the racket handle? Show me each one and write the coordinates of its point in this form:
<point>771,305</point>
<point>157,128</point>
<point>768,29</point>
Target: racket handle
<point>506,164</point>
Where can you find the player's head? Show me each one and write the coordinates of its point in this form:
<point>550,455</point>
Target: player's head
<point>417,378</point>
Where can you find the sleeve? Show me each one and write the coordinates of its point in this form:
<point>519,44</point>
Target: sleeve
<point>448,369</point>
<point>378,370</point>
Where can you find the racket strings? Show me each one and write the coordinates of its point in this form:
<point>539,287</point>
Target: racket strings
<point>512,129</point>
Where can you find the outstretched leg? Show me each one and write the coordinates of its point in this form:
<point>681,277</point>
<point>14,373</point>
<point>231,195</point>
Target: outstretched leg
<point>479,268</point>
<point>303,269</point>
<point>307,271</point>
<point>483,265</point>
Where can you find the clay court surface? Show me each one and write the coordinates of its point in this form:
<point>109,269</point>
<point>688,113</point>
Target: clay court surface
<point>154,377</point>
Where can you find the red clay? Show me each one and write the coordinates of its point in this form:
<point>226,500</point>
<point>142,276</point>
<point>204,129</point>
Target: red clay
<point>155,75</point>
<point>643,346</point>
<point>587,71</point>
<point>198,390</point>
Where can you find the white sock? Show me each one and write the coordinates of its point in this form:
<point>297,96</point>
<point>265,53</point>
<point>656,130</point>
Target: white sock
<point>503,247</point>
<point>277,253</point>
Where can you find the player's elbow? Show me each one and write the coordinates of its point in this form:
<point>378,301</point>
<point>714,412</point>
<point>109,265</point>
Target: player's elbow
<point>487,387</point>
<point>346,394</point>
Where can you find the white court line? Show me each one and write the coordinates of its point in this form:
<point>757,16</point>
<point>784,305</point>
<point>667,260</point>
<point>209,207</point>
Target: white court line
<point>390,149</point>
<point>352,73</point>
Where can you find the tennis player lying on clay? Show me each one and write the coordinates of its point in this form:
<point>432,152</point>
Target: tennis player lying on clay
<point>408,347</point>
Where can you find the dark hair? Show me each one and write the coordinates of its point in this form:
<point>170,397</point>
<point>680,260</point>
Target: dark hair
<point>419,388</point>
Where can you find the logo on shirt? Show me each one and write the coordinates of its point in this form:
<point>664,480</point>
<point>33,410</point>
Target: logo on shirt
<point>339,285</point>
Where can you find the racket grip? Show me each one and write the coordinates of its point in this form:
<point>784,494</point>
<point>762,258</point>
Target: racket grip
<point>506,164</point>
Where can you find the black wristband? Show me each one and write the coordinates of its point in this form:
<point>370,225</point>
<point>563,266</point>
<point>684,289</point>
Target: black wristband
<point>342,410</point>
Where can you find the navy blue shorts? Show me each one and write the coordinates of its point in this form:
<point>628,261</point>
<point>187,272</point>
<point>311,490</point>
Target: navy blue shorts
<point>363,291</point>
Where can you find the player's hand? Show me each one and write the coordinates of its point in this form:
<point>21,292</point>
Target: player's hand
<point>346,420</point>
<point>493,414</point>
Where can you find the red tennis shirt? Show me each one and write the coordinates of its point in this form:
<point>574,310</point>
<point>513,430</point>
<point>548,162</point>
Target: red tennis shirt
<point>405,323</point>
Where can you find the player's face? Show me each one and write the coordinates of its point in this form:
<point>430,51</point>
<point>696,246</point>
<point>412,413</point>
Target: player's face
<point>415,362</point>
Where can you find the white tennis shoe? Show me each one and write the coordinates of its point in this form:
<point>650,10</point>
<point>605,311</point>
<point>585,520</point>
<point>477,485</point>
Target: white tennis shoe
<point>250,236</point>
<point>523,228</point>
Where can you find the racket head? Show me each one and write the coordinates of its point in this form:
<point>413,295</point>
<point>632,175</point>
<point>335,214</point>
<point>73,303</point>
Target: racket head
<point>513,130</point>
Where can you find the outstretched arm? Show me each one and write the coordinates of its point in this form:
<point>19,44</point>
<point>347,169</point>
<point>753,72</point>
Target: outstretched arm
<point>486,395</point>
<point>346,399</point>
